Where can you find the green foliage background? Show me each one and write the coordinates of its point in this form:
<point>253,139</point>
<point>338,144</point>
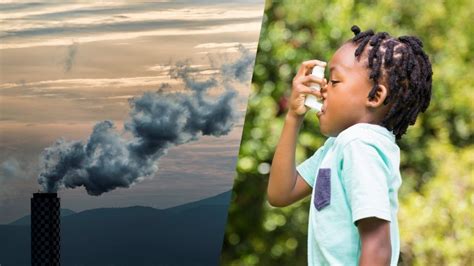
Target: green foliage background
<point>436,217</point>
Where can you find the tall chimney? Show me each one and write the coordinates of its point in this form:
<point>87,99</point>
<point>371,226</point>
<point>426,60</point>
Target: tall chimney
<point>45,229</point>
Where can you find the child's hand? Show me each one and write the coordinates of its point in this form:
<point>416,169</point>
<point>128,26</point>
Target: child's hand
<point>301,86</point>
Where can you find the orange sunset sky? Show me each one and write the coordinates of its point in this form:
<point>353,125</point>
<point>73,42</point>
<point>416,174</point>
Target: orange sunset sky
<point>67,65</point>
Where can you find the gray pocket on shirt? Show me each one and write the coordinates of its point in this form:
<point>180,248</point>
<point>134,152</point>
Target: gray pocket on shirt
<point>322,191</point>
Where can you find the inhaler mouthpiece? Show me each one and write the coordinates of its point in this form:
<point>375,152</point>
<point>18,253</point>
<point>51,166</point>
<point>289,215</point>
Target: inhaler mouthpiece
<point>311,101</point>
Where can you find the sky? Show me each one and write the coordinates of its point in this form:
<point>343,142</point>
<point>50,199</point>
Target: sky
<point>67,65</point>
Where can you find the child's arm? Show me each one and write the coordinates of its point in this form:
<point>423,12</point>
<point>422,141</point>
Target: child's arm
<point>285,185</point>
<point>375,241</point>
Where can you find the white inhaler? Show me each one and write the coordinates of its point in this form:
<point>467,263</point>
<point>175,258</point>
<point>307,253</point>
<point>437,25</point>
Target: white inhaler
<point>311,101</point>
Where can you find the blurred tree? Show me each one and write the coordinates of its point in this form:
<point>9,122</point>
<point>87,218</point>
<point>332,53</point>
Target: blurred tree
<point>436,218</point>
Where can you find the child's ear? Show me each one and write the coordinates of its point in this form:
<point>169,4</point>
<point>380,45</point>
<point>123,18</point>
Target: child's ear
<point>380,95</point>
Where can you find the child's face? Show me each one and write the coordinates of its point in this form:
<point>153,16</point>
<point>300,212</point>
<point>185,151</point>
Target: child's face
<point>346,95</point>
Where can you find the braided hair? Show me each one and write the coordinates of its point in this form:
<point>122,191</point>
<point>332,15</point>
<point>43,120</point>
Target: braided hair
<point>403,66</point>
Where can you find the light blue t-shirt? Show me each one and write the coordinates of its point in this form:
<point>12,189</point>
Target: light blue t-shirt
<point>354,175</point>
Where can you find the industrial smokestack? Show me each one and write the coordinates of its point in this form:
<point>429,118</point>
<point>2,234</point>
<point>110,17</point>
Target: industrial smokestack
<point>45,229</point>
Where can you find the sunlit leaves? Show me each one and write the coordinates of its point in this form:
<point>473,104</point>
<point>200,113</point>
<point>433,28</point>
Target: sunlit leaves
<point>436,197</point>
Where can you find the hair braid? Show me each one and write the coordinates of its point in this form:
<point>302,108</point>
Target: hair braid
<point>404,67</point>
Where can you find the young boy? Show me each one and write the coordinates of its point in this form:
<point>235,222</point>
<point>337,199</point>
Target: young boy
<point>378,85</point>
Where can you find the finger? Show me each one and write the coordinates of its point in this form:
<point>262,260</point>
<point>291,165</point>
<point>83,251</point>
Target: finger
<point>308,65</point>
<point>325,84</point>
<point>322,84</point>
<point>302,89</point>
<point>316,93</point>
<point>313,79</point>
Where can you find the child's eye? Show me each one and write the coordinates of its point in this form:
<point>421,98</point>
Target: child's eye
<point>334,81</point>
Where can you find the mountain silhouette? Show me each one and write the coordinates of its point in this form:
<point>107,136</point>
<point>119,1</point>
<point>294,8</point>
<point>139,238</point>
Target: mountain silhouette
<point>26,220</point>
<point>189,234</point>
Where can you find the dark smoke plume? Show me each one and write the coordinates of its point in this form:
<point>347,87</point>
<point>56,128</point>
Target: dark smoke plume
<point>158,121</point>
<point>70,57</point>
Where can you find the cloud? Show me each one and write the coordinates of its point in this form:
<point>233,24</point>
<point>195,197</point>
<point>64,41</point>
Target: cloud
<point>11,169</point>
<point>210,45</point>
<point>195,30</point>
<point>167,68</point>
<point>86,83</point>
<point>224,48</point>
<point>46,25</point>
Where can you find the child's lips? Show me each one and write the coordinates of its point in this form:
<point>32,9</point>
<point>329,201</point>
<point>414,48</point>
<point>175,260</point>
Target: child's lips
<point>322,112</point>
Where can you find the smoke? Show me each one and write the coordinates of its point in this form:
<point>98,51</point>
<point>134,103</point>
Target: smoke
<point>10,169</point>
<point>158,121</point>
<point>70,57</point>
<point>239,70</point>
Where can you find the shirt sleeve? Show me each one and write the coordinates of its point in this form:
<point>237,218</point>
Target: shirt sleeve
<point>365,174</point>
<point>307,169</point>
